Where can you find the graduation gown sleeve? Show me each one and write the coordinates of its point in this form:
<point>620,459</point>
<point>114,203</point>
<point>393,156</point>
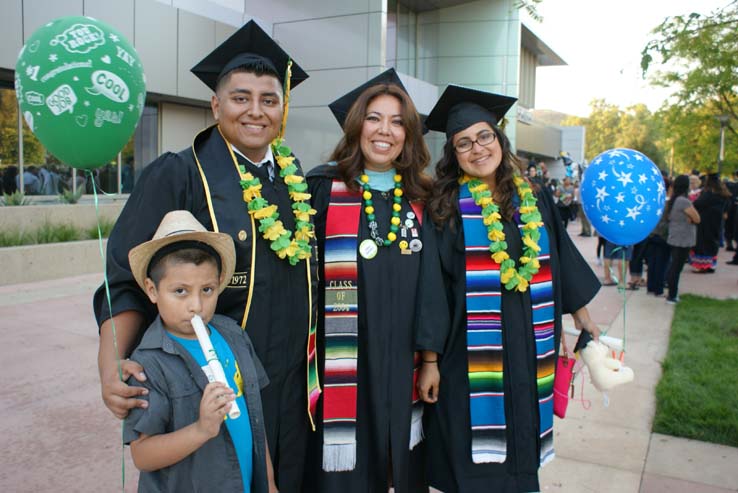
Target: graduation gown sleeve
<point>433,321</point>
<point>577,283</point>
<point>169,183</point>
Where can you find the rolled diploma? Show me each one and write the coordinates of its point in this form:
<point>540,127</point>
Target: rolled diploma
<point>212,358</point>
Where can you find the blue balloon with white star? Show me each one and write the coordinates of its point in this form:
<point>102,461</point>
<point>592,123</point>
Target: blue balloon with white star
<point>623,195</point>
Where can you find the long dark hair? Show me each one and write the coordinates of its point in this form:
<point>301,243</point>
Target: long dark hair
<point>443,203</point>
<point>411,162</point>
<point>679,188</point>
<point>714,185</point>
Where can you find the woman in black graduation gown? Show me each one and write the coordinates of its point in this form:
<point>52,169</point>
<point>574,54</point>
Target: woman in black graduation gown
<point>712,205</point>
<point>372,234</point>
<point>509,272</point>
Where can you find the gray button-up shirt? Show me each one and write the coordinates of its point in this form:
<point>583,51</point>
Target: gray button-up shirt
<point>176,383</point>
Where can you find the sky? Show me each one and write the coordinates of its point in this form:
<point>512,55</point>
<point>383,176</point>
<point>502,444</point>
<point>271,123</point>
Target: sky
<point>601,42</point>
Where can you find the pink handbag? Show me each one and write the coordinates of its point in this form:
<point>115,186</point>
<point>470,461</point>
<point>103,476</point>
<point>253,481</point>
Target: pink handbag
<point>562,383</point>
<point>563,380</point>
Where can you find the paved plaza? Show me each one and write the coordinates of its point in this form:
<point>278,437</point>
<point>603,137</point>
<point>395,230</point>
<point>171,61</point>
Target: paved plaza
<point>58,436</point>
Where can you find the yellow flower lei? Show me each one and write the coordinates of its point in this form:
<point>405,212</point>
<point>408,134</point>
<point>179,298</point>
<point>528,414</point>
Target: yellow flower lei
<point>510,277</point>
<point>286,245</point>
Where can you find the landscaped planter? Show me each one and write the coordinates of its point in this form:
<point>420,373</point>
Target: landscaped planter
<point>49,261</point>
<point>29,263</point>
<point>32,217</point>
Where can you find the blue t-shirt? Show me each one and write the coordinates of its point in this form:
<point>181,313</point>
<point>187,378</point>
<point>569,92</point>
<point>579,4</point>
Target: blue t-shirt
<point>239,428</point>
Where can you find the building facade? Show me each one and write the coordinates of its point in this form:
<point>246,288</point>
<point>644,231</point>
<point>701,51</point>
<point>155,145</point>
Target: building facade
<point>341,43</point>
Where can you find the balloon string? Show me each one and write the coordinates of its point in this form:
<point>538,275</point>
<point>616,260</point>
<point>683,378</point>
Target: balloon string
<point>622,280</point>
<point>586,403</point>
<point>112,319</point>
<point>622,265</point>
<point>95,187</point>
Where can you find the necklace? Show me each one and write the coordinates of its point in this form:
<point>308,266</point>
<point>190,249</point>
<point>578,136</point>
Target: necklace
<point>511,277</point>
<point>369,210</point>
<point>293,247</point>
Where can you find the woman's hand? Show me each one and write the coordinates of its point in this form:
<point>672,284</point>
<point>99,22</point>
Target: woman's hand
<point>429,379</point>
<point>592,328</point>
<point>583,321</point>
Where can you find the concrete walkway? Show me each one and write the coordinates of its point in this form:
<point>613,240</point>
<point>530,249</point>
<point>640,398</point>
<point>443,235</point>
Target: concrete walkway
<point>58,436</point>
<point>611,449</point>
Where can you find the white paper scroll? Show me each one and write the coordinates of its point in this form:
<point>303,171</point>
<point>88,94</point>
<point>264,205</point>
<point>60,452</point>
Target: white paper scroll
<point>216,369</point>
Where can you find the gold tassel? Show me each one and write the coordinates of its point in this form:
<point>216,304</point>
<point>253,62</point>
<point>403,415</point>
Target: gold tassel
<point>287,84</point>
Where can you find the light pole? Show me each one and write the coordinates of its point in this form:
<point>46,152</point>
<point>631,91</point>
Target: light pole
<point>723,119</point>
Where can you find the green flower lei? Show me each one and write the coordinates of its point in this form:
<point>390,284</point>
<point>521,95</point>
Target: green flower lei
<point>510,277</point>
<point>286,245</point>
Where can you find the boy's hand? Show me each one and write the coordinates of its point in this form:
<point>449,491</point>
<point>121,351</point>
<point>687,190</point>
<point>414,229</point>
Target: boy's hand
<point>214,405</point>
<point>117,395</point>
<point>429,380</point>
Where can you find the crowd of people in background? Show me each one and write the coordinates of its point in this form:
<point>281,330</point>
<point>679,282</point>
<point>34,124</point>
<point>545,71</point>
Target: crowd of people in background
<point>699,219</point>
<point>37,180</point>
<point>566,195</point>
<point>57,179</point>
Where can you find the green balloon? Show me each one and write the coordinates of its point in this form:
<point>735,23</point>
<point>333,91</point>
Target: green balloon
<point>81,88</point>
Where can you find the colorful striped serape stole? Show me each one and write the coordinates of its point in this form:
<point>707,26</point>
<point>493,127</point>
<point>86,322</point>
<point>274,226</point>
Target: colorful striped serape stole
<point>485,339</point>
<point>341,329</point>
<point>313,383</point>
<point>340,379</point>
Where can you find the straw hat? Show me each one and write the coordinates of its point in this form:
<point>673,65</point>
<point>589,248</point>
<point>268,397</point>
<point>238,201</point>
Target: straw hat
<point>182,226</point>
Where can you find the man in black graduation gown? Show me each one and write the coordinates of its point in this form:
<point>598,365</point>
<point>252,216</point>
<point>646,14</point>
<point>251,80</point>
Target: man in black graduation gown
<point>267,295</point>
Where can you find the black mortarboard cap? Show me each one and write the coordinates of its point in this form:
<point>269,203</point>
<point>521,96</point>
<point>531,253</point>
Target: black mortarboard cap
<point>461,107</point>
<point>247,45</point>
<point>341,106</point>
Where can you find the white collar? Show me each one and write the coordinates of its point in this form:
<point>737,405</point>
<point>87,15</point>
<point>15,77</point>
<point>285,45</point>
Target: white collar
<point>268,157</point>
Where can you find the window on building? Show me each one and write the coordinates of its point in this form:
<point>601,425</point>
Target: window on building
<point>401,38</point>
<point>8,140</point>
<point>146,147</point>
<point>44,174</point>
<point>528,65</point>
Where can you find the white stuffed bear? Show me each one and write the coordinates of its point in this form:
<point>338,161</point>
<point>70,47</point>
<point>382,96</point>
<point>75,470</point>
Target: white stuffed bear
<point>605,371</point>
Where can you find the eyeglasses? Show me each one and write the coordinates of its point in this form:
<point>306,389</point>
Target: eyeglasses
<point>483,139</point>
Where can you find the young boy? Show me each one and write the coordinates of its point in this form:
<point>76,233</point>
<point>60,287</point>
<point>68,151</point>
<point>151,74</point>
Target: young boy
<point>183,440</point>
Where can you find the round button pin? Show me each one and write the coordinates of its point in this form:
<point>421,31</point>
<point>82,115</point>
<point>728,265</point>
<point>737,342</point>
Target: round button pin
<point>368,249</point>
<point>416,245</point>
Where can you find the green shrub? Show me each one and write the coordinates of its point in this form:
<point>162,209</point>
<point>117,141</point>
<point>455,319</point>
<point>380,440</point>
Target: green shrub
<point>53,233</point>
<point>15,198</point>
<point>69,197</point>
<point>14,238</point>
<point>56,233</point>
<point>106,226</point>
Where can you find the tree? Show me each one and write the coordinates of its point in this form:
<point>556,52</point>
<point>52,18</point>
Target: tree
<point>608,127</point>
<point>33,151</point>
<point>699,57</point>
<point>693,134</point>
<point>639,130</point>
<point>530,6</point>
